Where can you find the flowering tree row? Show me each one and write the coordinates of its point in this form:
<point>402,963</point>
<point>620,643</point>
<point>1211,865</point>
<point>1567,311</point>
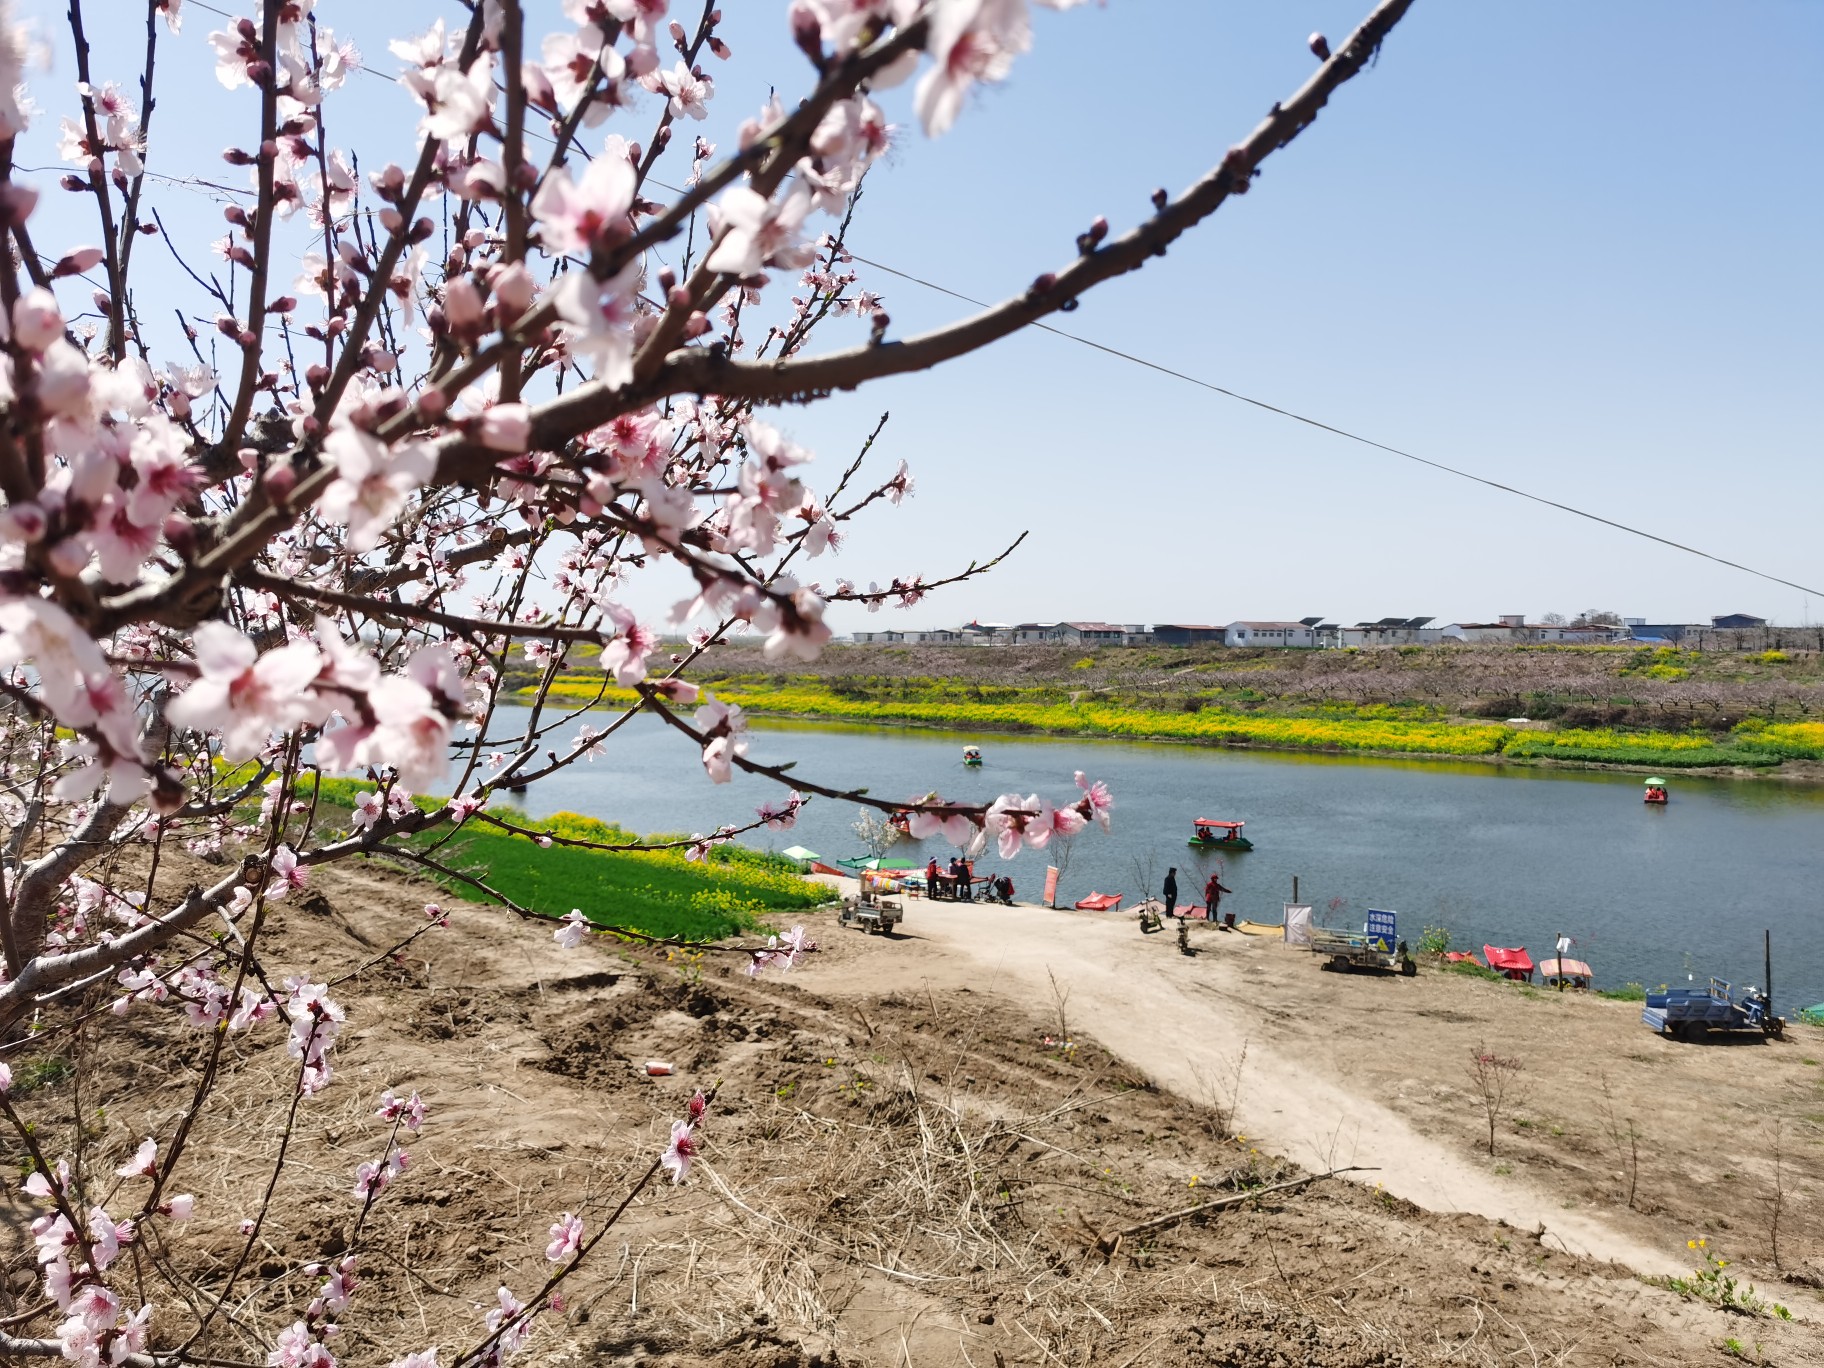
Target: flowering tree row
<point>512,374</point>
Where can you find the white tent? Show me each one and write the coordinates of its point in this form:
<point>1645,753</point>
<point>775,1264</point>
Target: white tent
<point>1298,924</point>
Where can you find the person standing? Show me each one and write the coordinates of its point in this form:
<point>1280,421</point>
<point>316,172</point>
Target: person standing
<point>1212,894</point>
<point>1170,891</point>
<point>931,877</point>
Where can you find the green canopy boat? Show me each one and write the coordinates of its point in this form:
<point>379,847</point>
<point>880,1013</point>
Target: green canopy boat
<point>1209,834</point>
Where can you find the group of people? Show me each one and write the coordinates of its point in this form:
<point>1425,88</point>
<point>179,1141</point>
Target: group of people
<point>959,882</point>
<point>1212,893</point>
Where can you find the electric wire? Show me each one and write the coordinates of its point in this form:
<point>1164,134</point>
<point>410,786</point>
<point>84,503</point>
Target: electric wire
<point>1345,433</point>
<point>1214,388</point>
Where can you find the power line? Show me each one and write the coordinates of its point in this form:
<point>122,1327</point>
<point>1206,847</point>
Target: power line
<point>1214,388</point>
<point>1346,434</point>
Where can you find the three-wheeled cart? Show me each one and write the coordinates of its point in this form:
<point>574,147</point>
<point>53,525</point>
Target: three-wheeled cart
<point>1692,1013</point>
<point>1377,946</point>
<point>875,913</point>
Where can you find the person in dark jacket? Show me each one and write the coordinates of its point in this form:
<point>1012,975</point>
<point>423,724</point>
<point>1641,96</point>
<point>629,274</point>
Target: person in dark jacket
<point>1170,890</point>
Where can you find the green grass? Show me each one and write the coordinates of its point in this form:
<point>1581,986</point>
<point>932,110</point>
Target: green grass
<point>1628,992</point>
<point>658,892</point>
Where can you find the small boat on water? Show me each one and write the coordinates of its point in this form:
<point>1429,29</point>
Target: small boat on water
<point>1656,791</point>
<point>972,756</point>
<point>1209,834</point>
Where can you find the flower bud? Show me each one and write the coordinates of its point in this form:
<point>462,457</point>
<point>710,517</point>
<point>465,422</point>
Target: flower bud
<point>697,324</point>
<point>391,220</point>
<point>37,321</point>
<point>667,279</point>
<point>76,262</point>
<point>278,482</point>
<point>514,288</point>
<point>807,33</point>
<point>148,228</point>
<point>433,404</point>
<point>179,534</point>
<point>1160,198</point>
<point>74,184</point>
<point>462,306</point>
<point>248,32</point>
<point>720,48</point>
<point>235,157</point>
<point>421,230</point>
<point>678,297</point>
<point>69,556</point>
<point>283,304</point>
<point>16,204</point>
<point>677,34</point>
<point>1320,46</point>
<point>316,376</point>
<point>23,522</point>
<point>260,72</point>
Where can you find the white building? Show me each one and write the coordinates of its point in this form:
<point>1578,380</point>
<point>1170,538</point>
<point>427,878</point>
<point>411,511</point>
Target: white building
<point>1513,628</point>
<point>1300,634</point>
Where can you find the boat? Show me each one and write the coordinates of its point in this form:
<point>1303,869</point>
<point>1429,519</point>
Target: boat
<point>1573,973</point>
<point>1209,834</point>
<point>1510,962</point>
<point>1097,902</point>
<point>972,756</point>
<point>1656,791</point>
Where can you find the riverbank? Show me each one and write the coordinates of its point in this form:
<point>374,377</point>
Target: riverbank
<point>1593,1144</point>
<point>1752,748</point>
<point>917,1142</point>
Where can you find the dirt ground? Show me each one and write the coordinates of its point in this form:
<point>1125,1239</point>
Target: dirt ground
<point>922,1147</point>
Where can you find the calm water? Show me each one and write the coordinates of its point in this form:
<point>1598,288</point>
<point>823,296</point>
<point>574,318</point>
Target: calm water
<point>1502,856</point>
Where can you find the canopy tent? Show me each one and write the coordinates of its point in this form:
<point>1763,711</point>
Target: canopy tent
<point>1656,783</point>
<point>883,866</point>
<point>1564,968</point>
<point>800,853</point>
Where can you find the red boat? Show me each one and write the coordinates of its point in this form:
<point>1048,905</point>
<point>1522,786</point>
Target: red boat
<point>1656,791</point>
<point>1510,962</point>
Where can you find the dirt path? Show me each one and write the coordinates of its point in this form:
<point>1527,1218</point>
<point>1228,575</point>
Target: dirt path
<point>1302,1091</point>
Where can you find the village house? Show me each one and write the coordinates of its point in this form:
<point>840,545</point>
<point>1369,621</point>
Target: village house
<point>1300,634</point>
<point>1513,628</point>
<point>1186,634</point>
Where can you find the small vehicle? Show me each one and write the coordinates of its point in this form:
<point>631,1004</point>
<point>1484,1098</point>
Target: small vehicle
<point>972,756</point>
<point>1377,946</point>
<point>1656,792</point>
<point>1690,1014</point>
<point>1209,834</point>
<point>875,913</point>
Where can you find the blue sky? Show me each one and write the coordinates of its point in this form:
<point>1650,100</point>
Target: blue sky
<point>1571,247</point>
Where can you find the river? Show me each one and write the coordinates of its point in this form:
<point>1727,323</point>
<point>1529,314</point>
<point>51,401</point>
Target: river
<point>1503,855</point>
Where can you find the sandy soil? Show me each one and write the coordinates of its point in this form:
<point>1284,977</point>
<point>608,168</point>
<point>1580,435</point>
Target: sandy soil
<point>907,1164</point>
<point>1365,1069</point>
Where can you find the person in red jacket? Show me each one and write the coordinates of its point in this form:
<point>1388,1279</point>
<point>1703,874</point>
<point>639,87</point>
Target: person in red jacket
<point>1212,894</point>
